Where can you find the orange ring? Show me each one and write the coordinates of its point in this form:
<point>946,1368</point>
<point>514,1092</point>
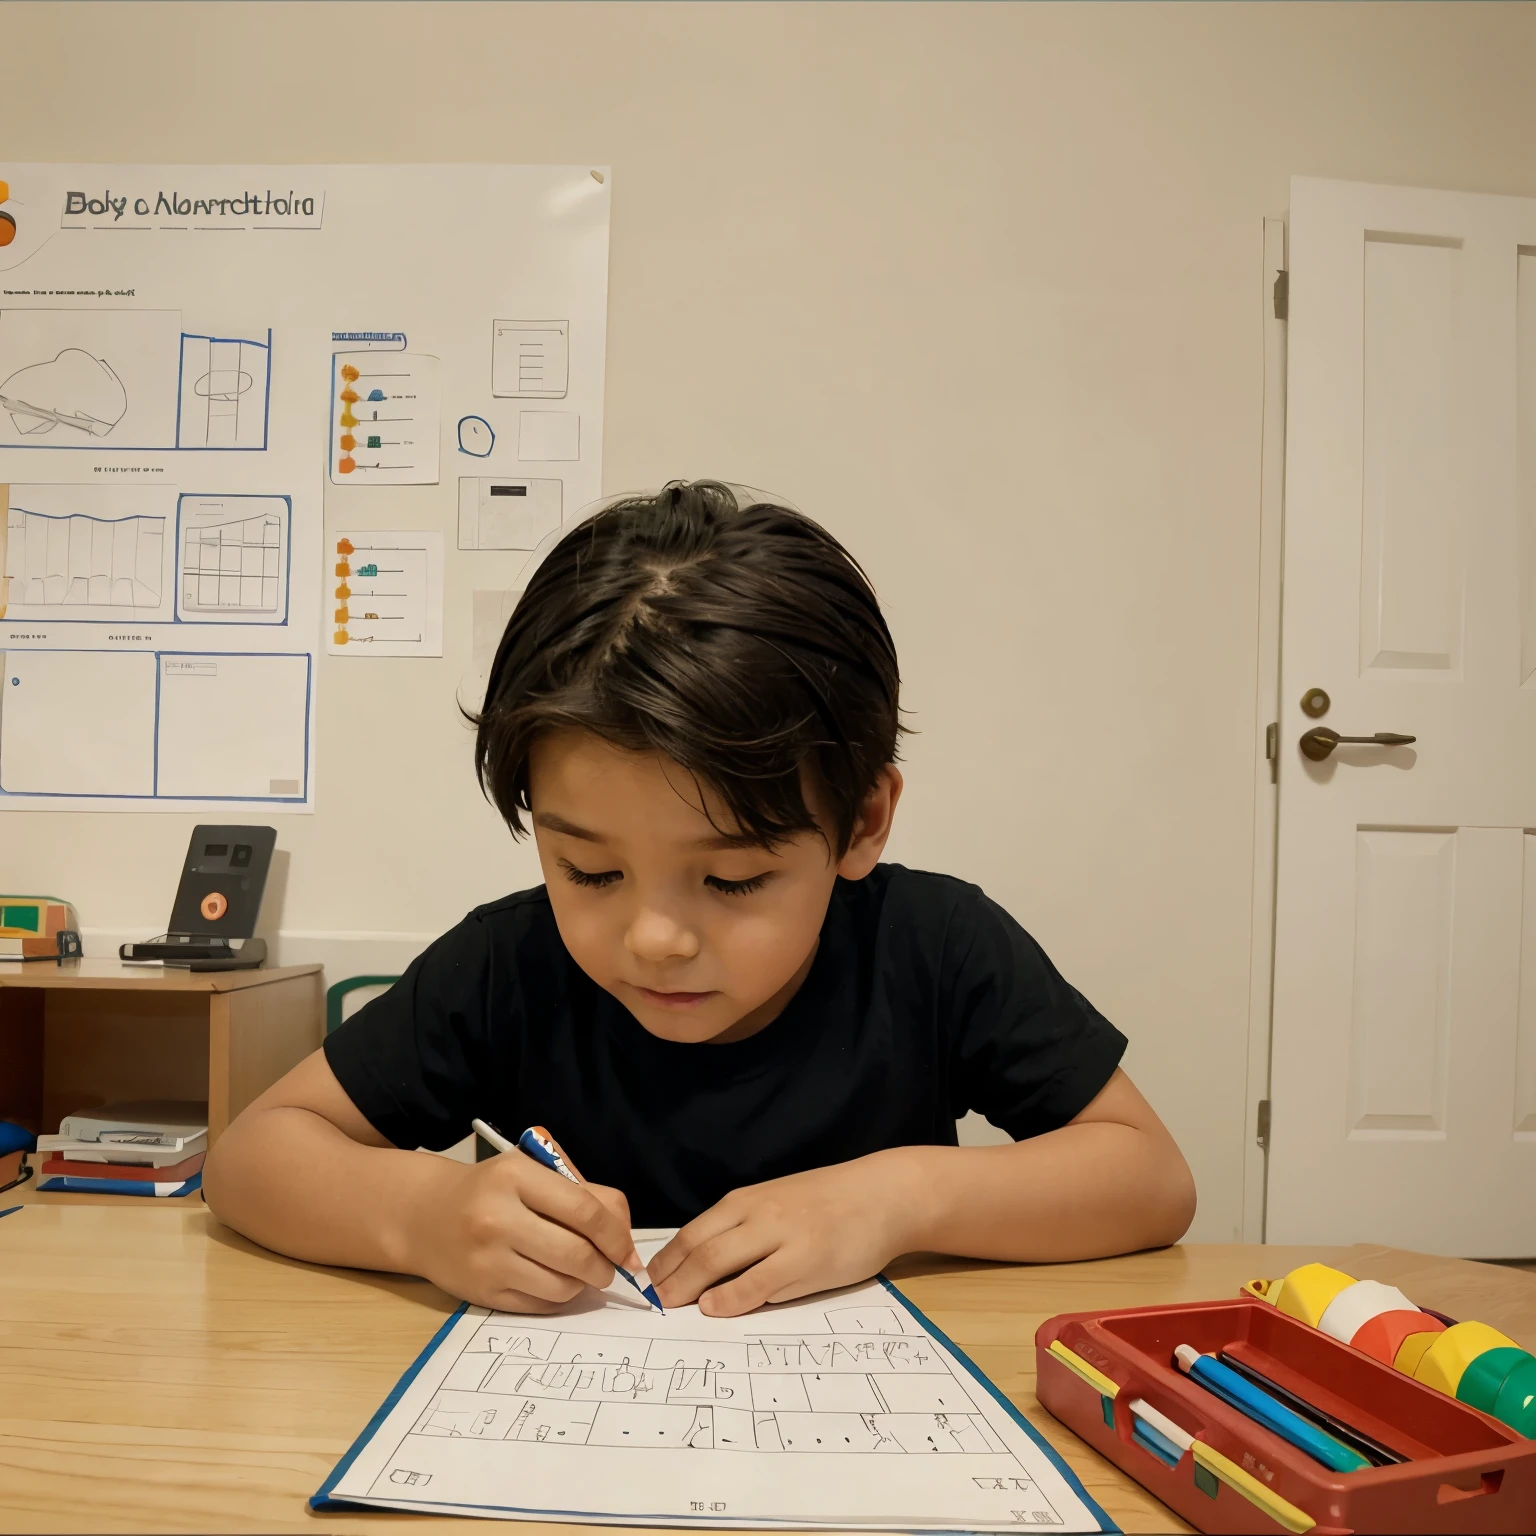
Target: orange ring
<point>214,906</point>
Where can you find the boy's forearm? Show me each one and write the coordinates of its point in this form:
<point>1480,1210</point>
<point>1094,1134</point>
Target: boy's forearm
<point>289,1179</point>
<point>1084,1191</point>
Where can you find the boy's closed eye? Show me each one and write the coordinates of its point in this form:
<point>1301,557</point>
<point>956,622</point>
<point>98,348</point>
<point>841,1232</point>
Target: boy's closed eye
<point>590,878</point>
<point>596,879</point>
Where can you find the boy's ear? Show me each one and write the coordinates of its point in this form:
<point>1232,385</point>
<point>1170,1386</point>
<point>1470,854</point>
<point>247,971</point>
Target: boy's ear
<point>873,827</point>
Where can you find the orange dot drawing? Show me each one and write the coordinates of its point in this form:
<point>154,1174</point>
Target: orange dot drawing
<point>348,443</point>
<point>7,227</point>
<point>350,396</point>
<point>341,637</point>
<point>343,592</point>
<point>344,546</point>
<point>348,419</point>
<point>214,906</point>
<point>349,373</point>
<point>345,467</point>
<point>342,568</point>
<point>342,615</point>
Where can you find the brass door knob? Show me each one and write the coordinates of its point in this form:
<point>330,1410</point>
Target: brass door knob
<point>1320,741</point>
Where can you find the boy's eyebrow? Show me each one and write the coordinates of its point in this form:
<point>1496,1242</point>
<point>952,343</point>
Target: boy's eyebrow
<point>552,823</point>
<point>722,842</point>
<point>726,841</point>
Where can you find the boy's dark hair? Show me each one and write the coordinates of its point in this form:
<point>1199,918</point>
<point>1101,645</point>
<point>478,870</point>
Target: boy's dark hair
<point>738,638</point>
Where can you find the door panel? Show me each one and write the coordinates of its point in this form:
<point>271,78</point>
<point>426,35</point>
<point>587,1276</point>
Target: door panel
<point>1403,1084</point>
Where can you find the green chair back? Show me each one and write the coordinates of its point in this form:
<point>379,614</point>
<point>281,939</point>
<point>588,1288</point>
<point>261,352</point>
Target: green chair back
<point>334,995</point>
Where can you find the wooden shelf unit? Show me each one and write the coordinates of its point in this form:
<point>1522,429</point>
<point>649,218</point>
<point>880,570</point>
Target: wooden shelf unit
<point>77,1033</point>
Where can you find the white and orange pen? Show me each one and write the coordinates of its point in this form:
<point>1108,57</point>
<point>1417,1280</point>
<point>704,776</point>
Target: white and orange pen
<point>538,1144</point>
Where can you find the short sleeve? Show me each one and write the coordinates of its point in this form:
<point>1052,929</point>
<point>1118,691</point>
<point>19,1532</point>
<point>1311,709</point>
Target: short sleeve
<point>410,1060</point>
<point>1027,1050</point>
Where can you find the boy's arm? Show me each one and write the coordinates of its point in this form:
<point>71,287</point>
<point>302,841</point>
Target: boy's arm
<point>1111,1181</point>
<point>302,1171</point>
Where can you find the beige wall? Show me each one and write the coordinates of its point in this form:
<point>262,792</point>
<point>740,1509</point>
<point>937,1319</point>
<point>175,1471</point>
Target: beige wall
<point>978,286</point>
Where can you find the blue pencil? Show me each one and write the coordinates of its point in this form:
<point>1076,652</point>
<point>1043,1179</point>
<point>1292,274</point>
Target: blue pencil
<point>1268,1411</point>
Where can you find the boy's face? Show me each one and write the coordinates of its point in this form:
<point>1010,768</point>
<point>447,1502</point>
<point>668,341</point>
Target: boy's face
<point>700,936</point>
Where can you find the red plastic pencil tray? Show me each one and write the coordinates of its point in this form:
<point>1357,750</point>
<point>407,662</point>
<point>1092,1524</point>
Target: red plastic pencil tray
<point>1467,1472</point>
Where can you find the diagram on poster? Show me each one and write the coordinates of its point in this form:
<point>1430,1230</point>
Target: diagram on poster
<point>385,418</point>
<point>234,554</point>
<point>89,552</point>
<point>838,1411</point>
<point>389,594</point>
<point>531,359</point>
<point>127,378</point>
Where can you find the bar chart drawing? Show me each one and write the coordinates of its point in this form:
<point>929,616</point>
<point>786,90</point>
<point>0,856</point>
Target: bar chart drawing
<point>80,566</point>
<point>234,559</point>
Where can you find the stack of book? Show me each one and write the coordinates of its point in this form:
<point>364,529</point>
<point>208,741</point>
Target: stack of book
<point>141,1148</point>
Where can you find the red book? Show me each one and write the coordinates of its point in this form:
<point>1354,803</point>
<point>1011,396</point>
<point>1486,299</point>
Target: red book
<point>63,1166</point>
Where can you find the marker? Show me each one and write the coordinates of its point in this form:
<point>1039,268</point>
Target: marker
<point>1263,1409</point>
<point>540,1146</point>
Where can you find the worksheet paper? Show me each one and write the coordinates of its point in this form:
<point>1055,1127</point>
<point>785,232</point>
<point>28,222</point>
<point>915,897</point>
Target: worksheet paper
<point>847,1410</point>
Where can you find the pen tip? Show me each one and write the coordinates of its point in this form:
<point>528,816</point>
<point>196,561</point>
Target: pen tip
<point>650,1295</point>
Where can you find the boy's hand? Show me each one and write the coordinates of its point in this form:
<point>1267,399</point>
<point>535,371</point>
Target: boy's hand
<point>792,1236</point>
<point>511,1235</point>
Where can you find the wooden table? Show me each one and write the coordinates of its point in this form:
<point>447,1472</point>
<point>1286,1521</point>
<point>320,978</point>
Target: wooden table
<point>157,1372</point>
<point>82,1032</point>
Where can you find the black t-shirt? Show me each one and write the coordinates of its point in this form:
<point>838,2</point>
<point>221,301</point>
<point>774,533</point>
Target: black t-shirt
<point>925,1000</point>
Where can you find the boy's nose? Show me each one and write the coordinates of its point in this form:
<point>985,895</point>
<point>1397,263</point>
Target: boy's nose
<point>654,935</point>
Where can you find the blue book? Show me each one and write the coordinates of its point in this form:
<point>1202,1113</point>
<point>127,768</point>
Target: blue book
<point>72,1184</point>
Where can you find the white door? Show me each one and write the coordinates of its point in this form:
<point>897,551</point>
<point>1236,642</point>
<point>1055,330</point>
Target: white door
<point>1403,1082</point>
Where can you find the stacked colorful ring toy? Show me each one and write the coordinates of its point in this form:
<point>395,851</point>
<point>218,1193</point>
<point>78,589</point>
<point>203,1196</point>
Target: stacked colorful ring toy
<point>1471,1362</point>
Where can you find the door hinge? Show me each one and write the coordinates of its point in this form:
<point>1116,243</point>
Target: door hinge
<point>1282,295</point>
<point>1262,1132</point>
<point>1272,750</point>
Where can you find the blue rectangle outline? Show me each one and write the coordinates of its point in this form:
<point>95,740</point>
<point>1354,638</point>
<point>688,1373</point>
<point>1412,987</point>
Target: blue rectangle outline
<point>322,1500</point>
<point>176,569</point>
<point>63,517</point>
<point>266,421</point>
<point>309,693</point>
<point>175,618</point>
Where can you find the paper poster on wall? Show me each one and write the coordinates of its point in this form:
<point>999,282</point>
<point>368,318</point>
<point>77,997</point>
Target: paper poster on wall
<point>530,359</point>
<point>388,594</point>
<point>168,334</point>
<point>489,612</point>
<point>500,513</point>
<point>385,418</point>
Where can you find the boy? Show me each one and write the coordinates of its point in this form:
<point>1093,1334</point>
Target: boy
<point>720,1002</point>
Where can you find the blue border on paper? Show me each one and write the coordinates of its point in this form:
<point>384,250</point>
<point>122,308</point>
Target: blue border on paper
<point>22,796</point>
<point>181,368</point>
<point>322,1499</point>
<point>176,565</point>
<point>1068,1475</point>
<point>177,571</point>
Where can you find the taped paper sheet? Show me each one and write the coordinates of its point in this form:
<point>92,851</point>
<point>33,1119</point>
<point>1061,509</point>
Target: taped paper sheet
<point>388,594</point>
<point>845,1411</point>
<point>385,418</point>
<point>498,513</point>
